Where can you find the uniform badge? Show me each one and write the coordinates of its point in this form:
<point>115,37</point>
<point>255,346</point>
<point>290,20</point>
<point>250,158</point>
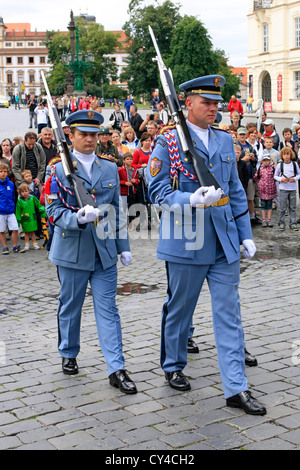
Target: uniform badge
<point>155,166</point>
<point>217,81</point>
<point>91,114</point>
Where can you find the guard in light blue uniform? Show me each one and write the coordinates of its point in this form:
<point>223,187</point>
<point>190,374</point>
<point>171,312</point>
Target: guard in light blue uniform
<point>200,236</point>
<point>85,248</point>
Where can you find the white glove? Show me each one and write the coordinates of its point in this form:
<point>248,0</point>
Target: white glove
<point>250,249</point>
<point>126,258</point>
<point>87,214</point>
<point>211,195</point>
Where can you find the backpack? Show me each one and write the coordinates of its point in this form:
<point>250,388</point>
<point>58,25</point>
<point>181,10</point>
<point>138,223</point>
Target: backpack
<point>294,165</point>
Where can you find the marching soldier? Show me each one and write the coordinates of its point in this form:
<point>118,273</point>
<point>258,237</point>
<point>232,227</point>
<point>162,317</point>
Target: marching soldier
<point>200,235</point>
<point>83,250</point>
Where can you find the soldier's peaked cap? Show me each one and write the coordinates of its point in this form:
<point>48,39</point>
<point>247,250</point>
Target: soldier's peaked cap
<point>85,120</point>
<point>208,86</point>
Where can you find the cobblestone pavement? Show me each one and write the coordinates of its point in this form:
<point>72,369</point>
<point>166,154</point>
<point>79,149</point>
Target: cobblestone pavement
<point>41,408</point>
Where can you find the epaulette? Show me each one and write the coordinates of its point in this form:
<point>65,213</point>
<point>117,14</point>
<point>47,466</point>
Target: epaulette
<point>105,156</point>
<point>216,128</point>
<point>166,129</point>
<point>54,160</point>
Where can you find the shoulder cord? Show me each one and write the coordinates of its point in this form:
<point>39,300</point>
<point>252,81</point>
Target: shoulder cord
<point>53,189</point>
<point>176,163</point>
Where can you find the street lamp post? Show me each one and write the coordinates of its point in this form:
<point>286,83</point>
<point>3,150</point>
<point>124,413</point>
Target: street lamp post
<point>79,65</point>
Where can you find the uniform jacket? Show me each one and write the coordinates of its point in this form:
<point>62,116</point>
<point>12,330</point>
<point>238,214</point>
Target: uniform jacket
<point>76,246</point>
<point>230,223</point>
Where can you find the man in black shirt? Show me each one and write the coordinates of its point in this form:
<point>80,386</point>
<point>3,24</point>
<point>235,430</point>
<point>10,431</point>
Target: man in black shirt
<point>136,120</point>
<point>29,155</point>
<point>32,104</point>
<point>47,143</point>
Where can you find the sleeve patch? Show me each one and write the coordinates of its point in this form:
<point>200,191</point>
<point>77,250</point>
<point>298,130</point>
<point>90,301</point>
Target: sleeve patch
<point>155,166</point>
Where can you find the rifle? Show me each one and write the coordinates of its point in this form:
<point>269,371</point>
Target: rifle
<point>82,195</point>
<point>203,175</point>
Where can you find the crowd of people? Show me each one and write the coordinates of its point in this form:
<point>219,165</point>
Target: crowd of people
<point>24,162</point>
<point>268,165</point>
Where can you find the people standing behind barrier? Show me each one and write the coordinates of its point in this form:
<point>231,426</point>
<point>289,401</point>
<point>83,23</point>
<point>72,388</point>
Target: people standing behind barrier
<point>235,105</point>
<point>267,190</point>
<point>130,139</point>
<point>117,117</point>
<point>42,116</point>
<point>269,131</point>
<point>235,119</point>
<point>252,139</point>
<point>136,120</point>
<point>73,107</point>
<point>116,140</point>
<point>47,143</point>
<point>287,173</point>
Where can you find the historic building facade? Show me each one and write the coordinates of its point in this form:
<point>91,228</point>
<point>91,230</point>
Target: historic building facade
<point>23,55</point>
<point>274,54</point>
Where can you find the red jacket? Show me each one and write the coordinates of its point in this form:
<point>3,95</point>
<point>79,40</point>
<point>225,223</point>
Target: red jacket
<point>124,179</point>
<point>235,106</point>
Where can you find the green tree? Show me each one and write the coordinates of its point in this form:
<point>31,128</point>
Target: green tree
<point>191,49</point>
<point>232,81</point>
<point>141,72</point>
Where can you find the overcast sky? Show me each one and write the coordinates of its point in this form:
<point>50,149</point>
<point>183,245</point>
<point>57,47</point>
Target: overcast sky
<point>226,21</point>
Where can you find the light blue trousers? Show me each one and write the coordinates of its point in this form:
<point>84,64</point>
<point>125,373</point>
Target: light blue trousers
<point>184,287</point>
<point>73,289</point>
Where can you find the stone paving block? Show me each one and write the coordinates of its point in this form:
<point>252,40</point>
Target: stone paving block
<point>72,440</point>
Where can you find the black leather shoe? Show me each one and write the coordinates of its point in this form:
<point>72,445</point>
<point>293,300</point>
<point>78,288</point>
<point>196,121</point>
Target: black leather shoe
<point>250,360</point>
<point>178,380</point>
<point>69,366</point>
<point>246,402</point>
<point>121,380</point>
<point>192,346</point>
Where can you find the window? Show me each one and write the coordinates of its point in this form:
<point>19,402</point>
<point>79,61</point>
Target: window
<point>30,44</point>
<point>297,85</point>
<point>31,77</point>
<point>20,60</point>
<point>42,60</point>
<point>31,60</point>
<point>297,32</point>
<point>19,44</point>
<point>8,44</point>
<point>9,78</point>
<point>266,38</point>
<point>8,60</point>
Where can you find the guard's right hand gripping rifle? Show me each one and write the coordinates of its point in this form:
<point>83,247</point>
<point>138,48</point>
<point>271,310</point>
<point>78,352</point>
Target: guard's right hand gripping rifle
<point>203,175</point>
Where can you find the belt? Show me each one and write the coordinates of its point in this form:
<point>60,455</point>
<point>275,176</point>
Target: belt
<point>221,202</point>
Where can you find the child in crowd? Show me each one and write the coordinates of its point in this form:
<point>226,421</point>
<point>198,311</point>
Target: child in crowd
<point>128,183</point>
<point>287,173</point>
<point>27,178</point>
<point>26,214</point>
<point>7,210</point>
<point>288,140</point>
<point>274,154</point>
<point>267,190</point>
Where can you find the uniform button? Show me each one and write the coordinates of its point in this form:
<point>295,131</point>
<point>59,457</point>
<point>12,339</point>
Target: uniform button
<point>63,234</point>
<point>186,159</point>
<point>211,165</point>
<point>110,184</point>
<point>93,191</point>
<point>228,159</point>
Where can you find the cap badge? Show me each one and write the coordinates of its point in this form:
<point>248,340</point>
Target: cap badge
<point>217,81</point>
<point>91,115</point>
